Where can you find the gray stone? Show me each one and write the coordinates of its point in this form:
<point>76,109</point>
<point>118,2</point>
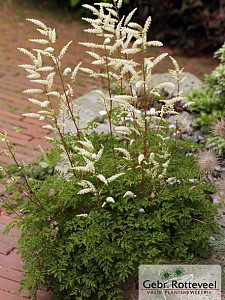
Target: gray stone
<point>63,166</point>
<point>186,121</point>
<point>89,109</point>
<point>191,82</point>
<point>216,199</point>
<point>197,136</point>
<point>90,105</point>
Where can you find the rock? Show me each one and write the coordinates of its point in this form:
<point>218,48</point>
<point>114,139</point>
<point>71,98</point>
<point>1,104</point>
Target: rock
<point>185,136</point>
<point>189,130</point>
<point>186,121</point>
<point>216,199</point>
<point>200,137</point>
<point>89,109</point>
<point>191,82</point>
<point>197,136</point>
<point>90,106</point>
<point>63,166</point>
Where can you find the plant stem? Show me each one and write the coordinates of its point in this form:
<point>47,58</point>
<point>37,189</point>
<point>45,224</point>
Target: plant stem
<point>19,188</point>
<point>67,99</point>
<point>217,190</point>
<point>59,132</point>
<point>110,102</point>
<point>10,207</point>
<point>145,113</point>
<point>98,192</point>
<point>23,174</point>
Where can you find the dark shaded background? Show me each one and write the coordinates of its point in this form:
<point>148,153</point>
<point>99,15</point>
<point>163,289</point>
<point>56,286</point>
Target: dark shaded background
<point>195,26</point>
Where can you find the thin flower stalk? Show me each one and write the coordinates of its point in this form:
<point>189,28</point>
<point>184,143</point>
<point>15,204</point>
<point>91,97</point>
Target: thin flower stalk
<point>14,181</point>
<point>60,133</point>
<point>11,208</point>
<point>217,189</point>
<point>98,190</point>
<point>111,104</point>
<point>9,146</point>
<point>67,99</point>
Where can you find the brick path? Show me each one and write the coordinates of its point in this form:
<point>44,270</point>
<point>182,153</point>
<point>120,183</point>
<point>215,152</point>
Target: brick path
<point>11,264</point>
<point>27,134</point>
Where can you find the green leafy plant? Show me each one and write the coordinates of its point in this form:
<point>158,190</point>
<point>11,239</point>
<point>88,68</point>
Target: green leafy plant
<point>209,101</point>
<point>131,196</point>
<point>86,250</point>
<point>35,171</point>
<point>216,143</point>
<point>209,106</point>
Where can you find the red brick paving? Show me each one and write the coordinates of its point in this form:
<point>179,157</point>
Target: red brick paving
<point>11,264</point>
<point>27,134</point>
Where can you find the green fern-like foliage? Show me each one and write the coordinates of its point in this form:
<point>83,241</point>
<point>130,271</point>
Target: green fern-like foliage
<point>216,143</point>
<point>89,257</point>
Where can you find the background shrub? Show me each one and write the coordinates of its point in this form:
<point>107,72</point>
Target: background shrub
<point>209,101</point>
<point>194,26</point>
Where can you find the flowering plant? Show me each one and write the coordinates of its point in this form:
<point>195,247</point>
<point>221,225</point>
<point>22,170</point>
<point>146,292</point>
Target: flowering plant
<point>130,196</point>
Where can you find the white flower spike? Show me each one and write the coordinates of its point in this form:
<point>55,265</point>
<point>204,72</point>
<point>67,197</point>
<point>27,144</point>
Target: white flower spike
<point>129,194</point>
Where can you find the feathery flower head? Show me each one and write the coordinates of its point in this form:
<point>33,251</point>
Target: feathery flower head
<point>87,144</point>
<point>38,23</point>
<point>125,152</point>
<point>207,160</point>
<point>218,128</point>
<point>31,115</point>
<point>33,91</point>
<point>67,71</point>
<point>129,194</point>
<point>110,200</point>
<point>3,137</point>
<point>86,191</point>
<point>114,177</point>
<point>171,180</point>
<point>141,157</point>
